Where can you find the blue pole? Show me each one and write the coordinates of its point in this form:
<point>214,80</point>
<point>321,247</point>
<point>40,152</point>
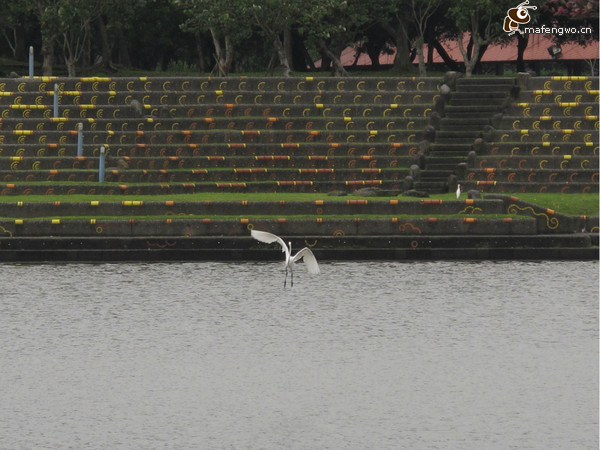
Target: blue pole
<point>55,100</point>
<point>30,62</point>
<point>79,139</point>
<point>101,168</point>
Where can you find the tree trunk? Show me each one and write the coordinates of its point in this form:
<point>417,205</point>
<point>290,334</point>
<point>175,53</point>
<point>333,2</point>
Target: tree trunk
<point>522,41</point>
<point>124,56</point>
<point>301,58</point>
<point>48,55</point>
<point>104,45</point>
<point>402,62</point>
<point>71,70</point>
<point>419,46</point>
<point>452,65</point>
<point>469,59</point>
<point>200,50</point>
<point>20,50</point>
<point>288,41</point>
<point>282,55</point>
<point>220,54</point>
<point>338,67</point>
<point>429,56</point>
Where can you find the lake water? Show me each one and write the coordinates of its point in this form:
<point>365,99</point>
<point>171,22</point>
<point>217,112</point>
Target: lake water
<point>385,355</point>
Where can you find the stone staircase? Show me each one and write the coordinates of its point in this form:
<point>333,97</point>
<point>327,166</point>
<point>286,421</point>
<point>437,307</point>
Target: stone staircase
<point>470,110</point>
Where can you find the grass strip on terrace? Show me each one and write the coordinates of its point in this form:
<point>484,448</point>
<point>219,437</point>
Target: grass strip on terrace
<point>570,204</point>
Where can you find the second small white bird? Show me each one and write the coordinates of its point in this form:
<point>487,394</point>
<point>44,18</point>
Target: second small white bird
<point>309,258</point>
<point>458,191</point>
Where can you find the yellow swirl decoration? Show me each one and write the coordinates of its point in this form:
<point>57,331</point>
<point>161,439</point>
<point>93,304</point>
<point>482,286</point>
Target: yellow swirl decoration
<point>408,228</point>
<point>6,231</point>
<point>551,222</point>
<point>261,86</point>
<point>340,85</point>
<point>381,85</point>
<point>471,210</point>
<point>360,85</point>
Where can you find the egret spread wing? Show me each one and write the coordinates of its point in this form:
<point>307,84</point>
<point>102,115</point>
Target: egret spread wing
<point>268,238</point>
<point>309,260</point>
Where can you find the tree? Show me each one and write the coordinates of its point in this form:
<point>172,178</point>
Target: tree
<point>275,18</point>
<point>12,26</point>
<point>332,25</point>
<point>226,20</point>
<point>391,15</point>
<point>482,20</point>
<point>75,18</point>
<point>572,14</point>
<point>46,11</point>
<point>114,16</point>
<point>421,11</point>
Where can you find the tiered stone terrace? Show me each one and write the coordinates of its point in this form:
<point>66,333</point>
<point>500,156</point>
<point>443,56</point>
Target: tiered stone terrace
<point>546,142</point>
<point>197,135</point>
<point>254,135</point>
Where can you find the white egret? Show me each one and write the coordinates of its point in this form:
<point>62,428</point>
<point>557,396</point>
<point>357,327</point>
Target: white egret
<point>458,191</point>
<point>309,258</point>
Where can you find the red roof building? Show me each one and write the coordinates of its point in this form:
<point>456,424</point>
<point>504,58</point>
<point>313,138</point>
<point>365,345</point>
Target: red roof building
<point>537,50</point>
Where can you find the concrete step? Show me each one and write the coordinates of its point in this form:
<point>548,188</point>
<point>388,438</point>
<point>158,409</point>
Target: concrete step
<point>234,83</point>
<point>168,188</point>
<point>189,162</point>
<point>251,174</point>
<point>324,207</point>
<point>432,187</point>
<point>464,111</point>
<point>25,137</point>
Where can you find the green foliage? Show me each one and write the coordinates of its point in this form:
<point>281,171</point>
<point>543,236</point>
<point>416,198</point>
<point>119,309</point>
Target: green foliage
<point>182,67</point>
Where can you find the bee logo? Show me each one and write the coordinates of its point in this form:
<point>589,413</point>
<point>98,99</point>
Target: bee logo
<point>517,16</point>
